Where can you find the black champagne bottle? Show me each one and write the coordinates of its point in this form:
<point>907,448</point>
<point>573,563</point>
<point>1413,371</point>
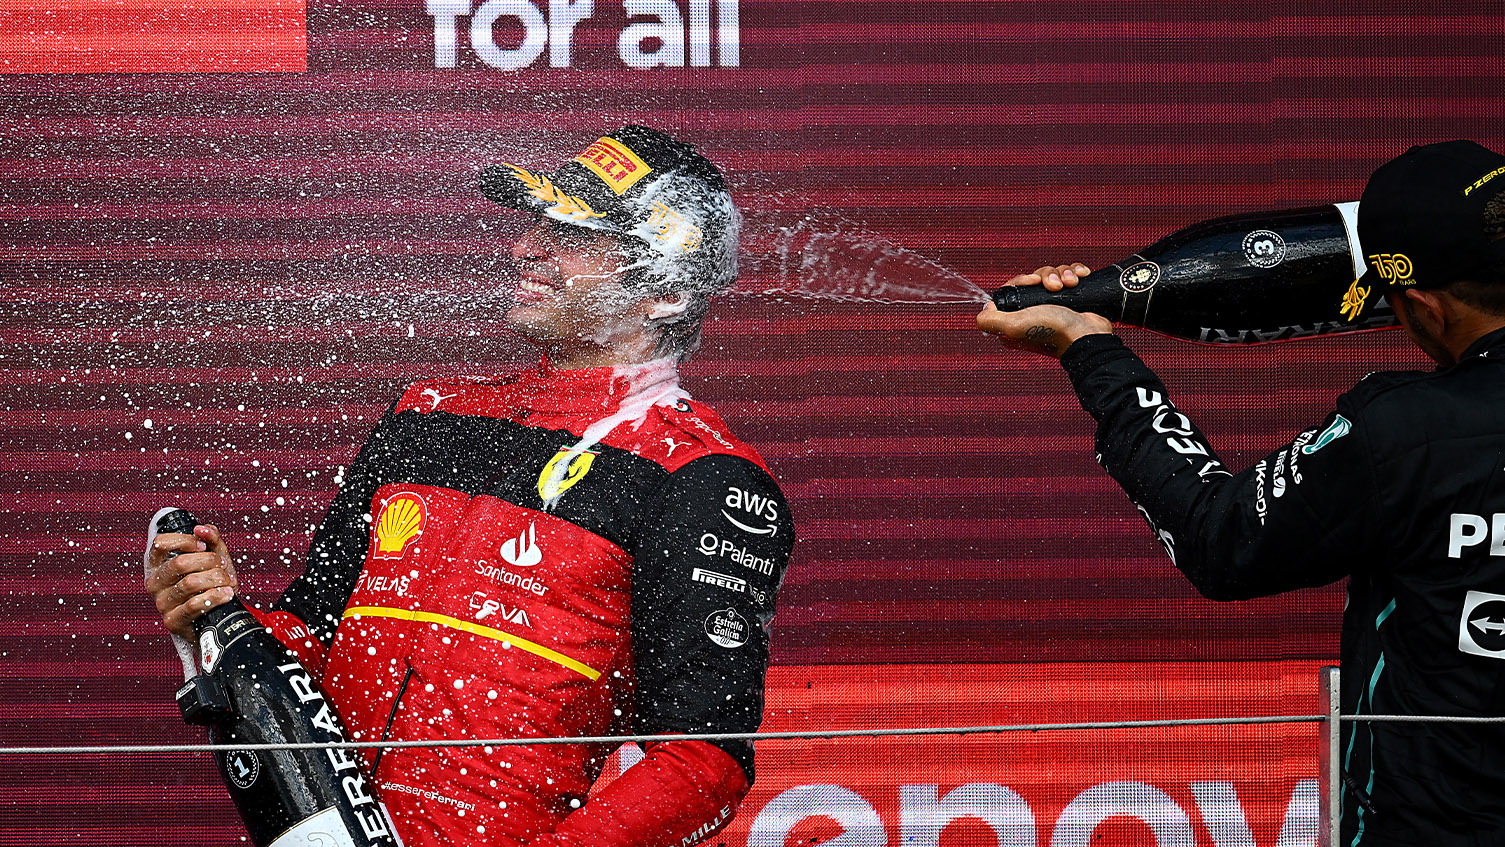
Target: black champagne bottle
<point>1243,279</point>
<point>253,690</point>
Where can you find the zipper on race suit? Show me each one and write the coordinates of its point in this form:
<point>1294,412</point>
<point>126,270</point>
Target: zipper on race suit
<point>391,716</point>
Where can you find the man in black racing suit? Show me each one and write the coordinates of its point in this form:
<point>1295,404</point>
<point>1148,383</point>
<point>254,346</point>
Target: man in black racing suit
<point>1401,488</point>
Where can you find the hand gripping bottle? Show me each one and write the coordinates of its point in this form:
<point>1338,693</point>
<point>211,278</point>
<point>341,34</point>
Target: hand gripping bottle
<point>1243,279</point>
<point>253,690</point>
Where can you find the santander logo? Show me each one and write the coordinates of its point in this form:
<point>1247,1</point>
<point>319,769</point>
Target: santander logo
<point>522,551</point>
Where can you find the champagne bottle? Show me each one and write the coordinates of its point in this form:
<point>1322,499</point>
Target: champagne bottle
<point>1243,279</point>
<point>253,690</point>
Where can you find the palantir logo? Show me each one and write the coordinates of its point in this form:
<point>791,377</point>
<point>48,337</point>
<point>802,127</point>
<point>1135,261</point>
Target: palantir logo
<point>1481,629</point>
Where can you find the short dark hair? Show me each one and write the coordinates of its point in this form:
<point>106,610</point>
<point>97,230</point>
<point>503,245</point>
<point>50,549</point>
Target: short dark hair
<point>1486,292</point>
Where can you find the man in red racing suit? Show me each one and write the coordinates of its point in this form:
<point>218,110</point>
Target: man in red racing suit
<point>480,602</point>
<point>574,551</point>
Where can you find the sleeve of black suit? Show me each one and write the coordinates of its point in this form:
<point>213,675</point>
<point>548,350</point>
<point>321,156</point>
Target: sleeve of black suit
<point>338,552</point>
<point>708,564</point>
<point>1298,518</point>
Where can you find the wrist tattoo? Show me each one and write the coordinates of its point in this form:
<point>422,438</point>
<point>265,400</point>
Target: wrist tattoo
<point>1043,337</point>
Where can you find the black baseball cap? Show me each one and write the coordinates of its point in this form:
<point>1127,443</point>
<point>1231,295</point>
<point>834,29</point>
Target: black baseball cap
<point>1421,217</point>
<point>669,200</point>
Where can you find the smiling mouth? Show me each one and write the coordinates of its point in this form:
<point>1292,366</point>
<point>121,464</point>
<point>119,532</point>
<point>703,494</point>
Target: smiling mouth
<point>535,287</point>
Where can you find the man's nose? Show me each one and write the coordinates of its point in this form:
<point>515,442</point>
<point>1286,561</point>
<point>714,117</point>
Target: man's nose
<point>533,244</point>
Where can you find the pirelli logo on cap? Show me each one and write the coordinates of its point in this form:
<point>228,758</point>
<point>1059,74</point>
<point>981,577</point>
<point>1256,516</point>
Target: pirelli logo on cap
<point>617,166</point>
<point>1479,183</point>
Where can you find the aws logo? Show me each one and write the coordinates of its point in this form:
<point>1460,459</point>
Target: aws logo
<point>558,477</point>
<point>400,524</point>
<point>755,505</point>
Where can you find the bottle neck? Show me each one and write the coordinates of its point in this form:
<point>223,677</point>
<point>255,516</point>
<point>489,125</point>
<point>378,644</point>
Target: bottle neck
<point>1350,213</point>
<point>216,615</point>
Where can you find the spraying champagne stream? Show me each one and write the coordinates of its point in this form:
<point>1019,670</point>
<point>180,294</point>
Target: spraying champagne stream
<point>1243,279</point>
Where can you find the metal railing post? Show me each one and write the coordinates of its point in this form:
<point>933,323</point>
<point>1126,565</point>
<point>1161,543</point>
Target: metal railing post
<point>1332,758</point>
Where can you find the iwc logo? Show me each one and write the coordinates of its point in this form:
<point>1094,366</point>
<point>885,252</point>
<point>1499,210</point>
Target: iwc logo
<point>1140,277</point>
<point>727,628</point>
<point>242,767</point>
<point>1264,249</point>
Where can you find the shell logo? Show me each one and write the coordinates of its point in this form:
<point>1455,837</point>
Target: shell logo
<point>400,522</point>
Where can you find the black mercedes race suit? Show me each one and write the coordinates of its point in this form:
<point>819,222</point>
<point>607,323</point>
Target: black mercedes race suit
<point>1401,489</point>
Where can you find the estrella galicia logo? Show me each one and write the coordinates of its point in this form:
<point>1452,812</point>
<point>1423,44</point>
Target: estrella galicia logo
<point>1335,430</point>
<point>727,628</point>
<point>1140,277</point>
<point>1481,629</point>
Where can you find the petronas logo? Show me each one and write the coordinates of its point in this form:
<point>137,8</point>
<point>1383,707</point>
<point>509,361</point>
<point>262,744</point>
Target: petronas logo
<point>1335,430</point>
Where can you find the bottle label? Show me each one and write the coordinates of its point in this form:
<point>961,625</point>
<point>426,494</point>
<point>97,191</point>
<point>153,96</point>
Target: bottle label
<point>1139,277</point>
<point>1350,215</point>
<point>1264,248</point>
<point>209,649</point>
<point>214,641</point>
<point>326,829</point>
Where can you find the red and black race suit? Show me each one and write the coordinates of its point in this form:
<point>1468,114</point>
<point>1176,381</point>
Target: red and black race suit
<point>1402,490</point>
<point>464,586</point>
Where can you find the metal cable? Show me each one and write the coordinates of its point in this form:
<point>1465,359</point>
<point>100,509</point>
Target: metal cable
<point>622,739</point>
<point>750,736</point>
<point>1420,719</point>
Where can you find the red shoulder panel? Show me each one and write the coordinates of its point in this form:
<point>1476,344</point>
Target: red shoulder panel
<point>675,435</point>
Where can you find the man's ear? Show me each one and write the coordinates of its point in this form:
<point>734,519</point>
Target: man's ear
<point>1434,309</point>
<point>670,305</point>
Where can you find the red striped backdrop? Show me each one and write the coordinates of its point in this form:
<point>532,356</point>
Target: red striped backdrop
<point>214,282</point>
